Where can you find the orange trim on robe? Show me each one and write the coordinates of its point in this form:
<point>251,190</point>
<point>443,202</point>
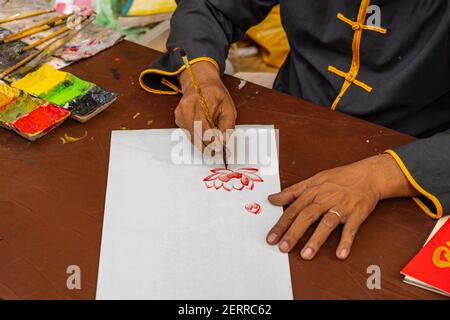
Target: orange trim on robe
<point>358,26</point>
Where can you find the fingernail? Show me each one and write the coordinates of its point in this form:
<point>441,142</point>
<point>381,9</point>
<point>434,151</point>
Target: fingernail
<point>274,194</point>
<point>343,254</point>
<point>284,246</point>
<point>271,238</point>
<point>307,253</point>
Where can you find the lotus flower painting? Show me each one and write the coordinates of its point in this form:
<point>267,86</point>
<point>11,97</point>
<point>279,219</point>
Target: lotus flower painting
<point>229,180</point>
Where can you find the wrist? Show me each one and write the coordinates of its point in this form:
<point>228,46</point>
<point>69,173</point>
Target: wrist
<point>389,180</point>
<point>205,73</point>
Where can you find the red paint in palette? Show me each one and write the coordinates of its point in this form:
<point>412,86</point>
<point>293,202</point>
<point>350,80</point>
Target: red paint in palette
<point>40,119</point>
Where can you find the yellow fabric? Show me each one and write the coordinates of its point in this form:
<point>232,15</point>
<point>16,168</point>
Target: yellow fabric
<point>358,26</point>
<point>418,187</point>
<point>270,36</point>
<point>41,81</point>
<point>174,89</point>
<point>146,7</point>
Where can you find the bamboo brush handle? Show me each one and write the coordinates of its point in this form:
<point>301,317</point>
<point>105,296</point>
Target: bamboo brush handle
<point>26,15</point>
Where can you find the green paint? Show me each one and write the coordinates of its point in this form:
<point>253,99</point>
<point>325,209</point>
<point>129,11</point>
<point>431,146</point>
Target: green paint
<point>67,91</point>
<point>23,105</point>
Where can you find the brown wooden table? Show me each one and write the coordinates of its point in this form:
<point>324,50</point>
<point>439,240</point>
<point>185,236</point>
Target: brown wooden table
<point>52,195</point>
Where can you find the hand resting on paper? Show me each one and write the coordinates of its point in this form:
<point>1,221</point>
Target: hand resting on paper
<point>220,103</point>
<point>351,193</point>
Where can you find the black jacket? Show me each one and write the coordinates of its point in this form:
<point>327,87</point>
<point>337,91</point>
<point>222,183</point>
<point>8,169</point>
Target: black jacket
<point>396,74</point>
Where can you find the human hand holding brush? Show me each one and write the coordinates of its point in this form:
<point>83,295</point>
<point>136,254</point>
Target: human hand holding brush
<point>221,106</point>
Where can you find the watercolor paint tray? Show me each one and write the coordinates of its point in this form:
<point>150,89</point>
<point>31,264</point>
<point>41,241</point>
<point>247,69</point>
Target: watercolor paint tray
<point>88,106</point>
<point>83,99</point>
<point>45,98</point>
<point>29,117</point>
<point>53,115</point>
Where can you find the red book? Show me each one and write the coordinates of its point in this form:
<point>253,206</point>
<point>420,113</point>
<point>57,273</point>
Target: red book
<point>430,268</point>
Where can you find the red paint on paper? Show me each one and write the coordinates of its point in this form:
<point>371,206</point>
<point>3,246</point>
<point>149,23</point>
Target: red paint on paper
<point>229,180</point>
<point>254,208</point>
<point>40,119</point>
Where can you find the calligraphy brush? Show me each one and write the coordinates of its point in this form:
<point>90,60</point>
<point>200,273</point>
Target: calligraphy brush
<point>26,15</point>
<point>53,35</point>
<point>201,97</point>
<point>47,50</point>
<point>37,28</point>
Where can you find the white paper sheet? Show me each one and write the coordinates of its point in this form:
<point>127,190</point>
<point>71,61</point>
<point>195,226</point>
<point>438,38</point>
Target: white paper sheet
<point>167,236</point>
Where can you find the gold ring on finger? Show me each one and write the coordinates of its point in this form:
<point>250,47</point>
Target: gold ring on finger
<point>337,214</point>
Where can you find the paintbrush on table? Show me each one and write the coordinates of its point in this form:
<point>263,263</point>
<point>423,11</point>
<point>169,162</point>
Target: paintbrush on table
<point>202,99</point>
<point>18,16</point>
<point>37,28</point>
<point>53,35</point>
<point>35,59</point>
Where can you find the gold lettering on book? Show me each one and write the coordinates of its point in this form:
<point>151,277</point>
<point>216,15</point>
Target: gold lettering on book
<point>441,256</point>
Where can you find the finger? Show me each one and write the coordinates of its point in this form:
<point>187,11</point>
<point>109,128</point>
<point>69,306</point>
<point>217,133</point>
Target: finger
<point>226,121</point>
<point>303,221</point>
<point>288,195</point>
<point>213,139</point>
<point>185,120</point>
<point>197,125</point>
<point>196,135</point>
<point>328,223</point>
<point>187,126</point>
<point>288,217</point>
<point>349,232</point>
<point>179,117</point>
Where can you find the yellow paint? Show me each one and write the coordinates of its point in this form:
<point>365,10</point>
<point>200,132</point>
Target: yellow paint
<point>440,262</point>
<point>5,100</point>
<point>136,115</point>
<point>41,81</point>
<point>7,94</point>
<point>69,139</point>
<point>149,123</point>
<point>8,91</point>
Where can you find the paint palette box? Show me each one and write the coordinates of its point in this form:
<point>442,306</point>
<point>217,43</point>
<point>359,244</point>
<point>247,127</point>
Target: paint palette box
<point>82,98</point>
<point>40,121</point>
<point>14,104</point>
<point>28,116</point>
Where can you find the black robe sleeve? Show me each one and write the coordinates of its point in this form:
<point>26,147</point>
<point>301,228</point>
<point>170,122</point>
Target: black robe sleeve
<point>205,29</point>
<point>426,164</point>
